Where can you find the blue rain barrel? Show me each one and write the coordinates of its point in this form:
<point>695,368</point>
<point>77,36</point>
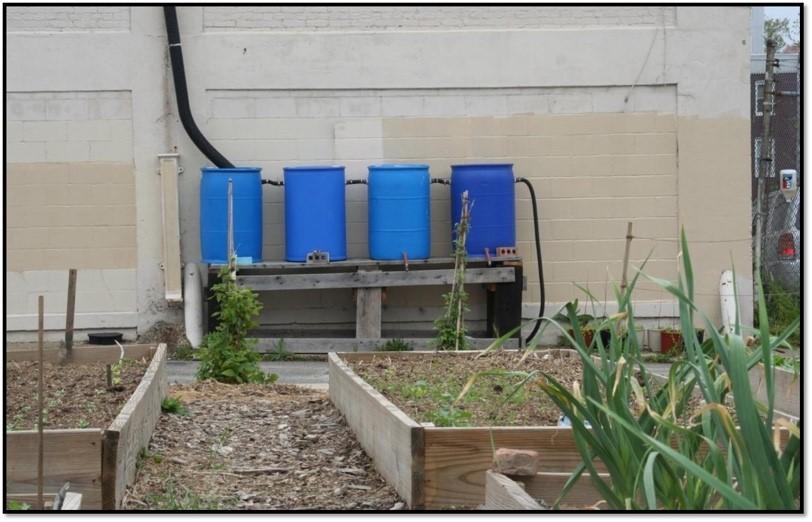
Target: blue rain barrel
<point>247,210</point>
<point>491,190</point>
<point>399,211</point>
<point>315,212</point>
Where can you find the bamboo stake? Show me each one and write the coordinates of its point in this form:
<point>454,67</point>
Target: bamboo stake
<point>626,258</point>
<point>40,340</point>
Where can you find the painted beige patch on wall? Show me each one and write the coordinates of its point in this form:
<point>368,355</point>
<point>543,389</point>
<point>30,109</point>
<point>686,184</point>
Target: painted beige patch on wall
<point>714,209</point>
<point>592,172</point>
<point>70,215</point>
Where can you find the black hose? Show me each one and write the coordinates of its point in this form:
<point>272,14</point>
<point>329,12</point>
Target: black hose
<point>356,182</point>
<point>272,182</point>
<point>538,255</point>
<point>182,94</point>
<point>441,181</point>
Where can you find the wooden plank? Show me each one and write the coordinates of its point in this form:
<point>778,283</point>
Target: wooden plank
<point>457,458</point>
<point>787,389</point>
<point>170,227</point>
<point>69,456</point>
<point>131,431</point>
<point>503,494</point>
<point>548,485</point>
<point>72,502</point>
<point>389,436</point>
<point>359,262</point>
<point>368,313</point>
<point>70,313</point>
<point>372,279</point>
<point>86,354</point>
<point>351,345</point>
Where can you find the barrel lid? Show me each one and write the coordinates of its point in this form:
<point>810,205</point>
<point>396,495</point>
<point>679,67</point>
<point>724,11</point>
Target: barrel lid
<point>231,169</point>
<point>480,165</point>
<point>399,166</point>
<point>315,167</point>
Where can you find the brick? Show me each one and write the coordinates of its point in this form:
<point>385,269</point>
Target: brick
<point>25,152</point>
<point>117,108</point>
<point>360,106</point>
<point>233,108</point>
<point>25,110</point>
<point>110,151</point>
<point>87,130</point>
<point>403,106</point>
<point>67,109</point>
<point>514,462</point>
<point>275,107</point>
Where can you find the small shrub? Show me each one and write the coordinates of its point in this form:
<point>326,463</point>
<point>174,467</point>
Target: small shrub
<point>227,354</point>
<point>173,405</point>
<point>448,415</point>
<point>396,345</point>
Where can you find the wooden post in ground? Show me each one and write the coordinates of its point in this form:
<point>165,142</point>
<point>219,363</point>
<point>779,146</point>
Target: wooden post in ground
<point>40,340</point>
<point>624,279</point>
<point>69,315</point>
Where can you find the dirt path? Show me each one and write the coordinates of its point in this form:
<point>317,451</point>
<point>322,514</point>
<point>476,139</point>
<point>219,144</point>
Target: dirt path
<point>256,447</point>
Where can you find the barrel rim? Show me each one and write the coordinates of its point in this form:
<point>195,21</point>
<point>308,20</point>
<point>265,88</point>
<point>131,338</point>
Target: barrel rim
<point>313,167</point>
<point>398,166</point>
<point>231,169</point>
<point>480,165</point>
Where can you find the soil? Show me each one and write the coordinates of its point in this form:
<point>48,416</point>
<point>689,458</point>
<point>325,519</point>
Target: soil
<point>241,447</point>
<point>76,395</point>
<point>425,388</point>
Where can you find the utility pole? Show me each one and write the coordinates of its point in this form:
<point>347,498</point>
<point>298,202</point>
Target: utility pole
<point>766,159</point>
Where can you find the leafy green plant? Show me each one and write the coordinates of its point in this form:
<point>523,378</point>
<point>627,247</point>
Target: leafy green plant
<point>396,345</point>
<point>451,333</point>
<point>173,405</point>
<point>783,307</point>
<point>659,450</point>
<point>416,391</point>
<point>16,505</point>
<point>83,423</point>
<point>227,354</point>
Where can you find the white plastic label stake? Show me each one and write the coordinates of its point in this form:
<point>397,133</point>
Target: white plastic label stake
<point>789,183</point>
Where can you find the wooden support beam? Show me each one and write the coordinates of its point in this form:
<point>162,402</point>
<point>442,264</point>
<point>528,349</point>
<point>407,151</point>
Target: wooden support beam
<point>504,494</point>
<point>70,313</point>
<point>327,345</point>
<point>368,313</point>
<point>373,279</point>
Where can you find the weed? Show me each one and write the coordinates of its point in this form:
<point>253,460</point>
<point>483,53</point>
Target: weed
<point>184,352</point>
<point>396,345</point>
<point>173,405</point>
<point>16,505</point>
<point>83,423</point>
<point>176,497</point>
<point>783,307</point>
<point>451,325</point>
<point>448,415</point>
<point>280,352</point>
<point>416,391</point>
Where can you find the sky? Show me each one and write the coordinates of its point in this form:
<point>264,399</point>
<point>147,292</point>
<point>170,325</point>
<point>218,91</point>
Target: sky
<point>792,12</point>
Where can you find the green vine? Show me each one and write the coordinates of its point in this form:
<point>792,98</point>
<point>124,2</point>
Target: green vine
<point>451,333</point>
<point>227,354</point>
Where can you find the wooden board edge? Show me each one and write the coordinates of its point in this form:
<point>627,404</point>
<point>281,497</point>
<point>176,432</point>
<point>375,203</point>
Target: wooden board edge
<point>84,354</point>
<point>335,361</point>
<point>109,459</point>
<point>504,494</point>
<point>151,373</point>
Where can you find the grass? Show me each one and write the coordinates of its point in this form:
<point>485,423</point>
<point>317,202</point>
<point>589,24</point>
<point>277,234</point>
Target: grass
<point>173,405</point>
<point>783,308</point>
<point>396,345</point>
<point>279,353</point>
<point>176,497</point>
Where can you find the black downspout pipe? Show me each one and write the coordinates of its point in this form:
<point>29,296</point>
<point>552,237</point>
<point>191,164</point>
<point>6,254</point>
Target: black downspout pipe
<point>182,94</point>
<point>543,298</point>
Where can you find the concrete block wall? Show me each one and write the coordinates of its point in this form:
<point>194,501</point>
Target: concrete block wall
<point>67,18</point>
<point>71,204</point>
<point>618,113</point>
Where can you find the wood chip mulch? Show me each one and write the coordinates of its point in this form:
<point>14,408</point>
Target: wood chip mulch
<point>243,447</point>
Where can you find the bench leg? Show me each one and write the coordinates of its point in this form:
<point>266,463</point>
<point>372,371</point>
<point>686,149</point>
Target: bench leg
<point>368,313</point>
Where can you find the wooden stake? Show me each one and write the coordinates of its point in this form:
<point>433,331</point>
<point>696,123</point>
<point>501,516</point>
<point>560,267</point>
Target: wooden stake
<point>626,258</point>
<point>70,313</point>
<point>40,340</point>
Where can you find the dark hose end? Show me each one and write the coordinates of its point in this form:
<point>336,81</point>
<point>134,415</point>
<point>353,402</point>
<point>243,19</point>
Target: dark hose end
<point>272,182</point>
<point>441,181</point>
<point>356,182</point>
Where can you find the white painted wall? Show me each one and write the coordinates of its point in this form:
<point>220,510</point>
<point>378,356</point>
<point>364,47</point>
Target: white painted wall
<point>325,77</point>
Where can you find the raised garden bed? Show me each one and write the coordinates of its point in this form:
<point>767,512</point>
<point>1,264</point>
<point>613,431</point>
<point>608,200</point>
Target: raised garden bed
<point>98,460</point>
<point>433,466</point>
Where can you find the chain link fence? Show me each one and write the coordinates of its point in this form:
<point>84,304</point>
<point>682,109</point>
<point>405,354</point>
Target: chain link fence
<point>781,239</point>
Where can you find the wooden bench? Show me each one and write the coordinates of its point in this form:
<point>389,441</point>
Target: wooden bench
<point>501,275</point>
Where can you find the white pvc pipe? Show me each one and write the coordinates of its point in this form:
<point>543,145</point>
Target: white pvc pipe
<point>193,304</point>
<point>727,297</point>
